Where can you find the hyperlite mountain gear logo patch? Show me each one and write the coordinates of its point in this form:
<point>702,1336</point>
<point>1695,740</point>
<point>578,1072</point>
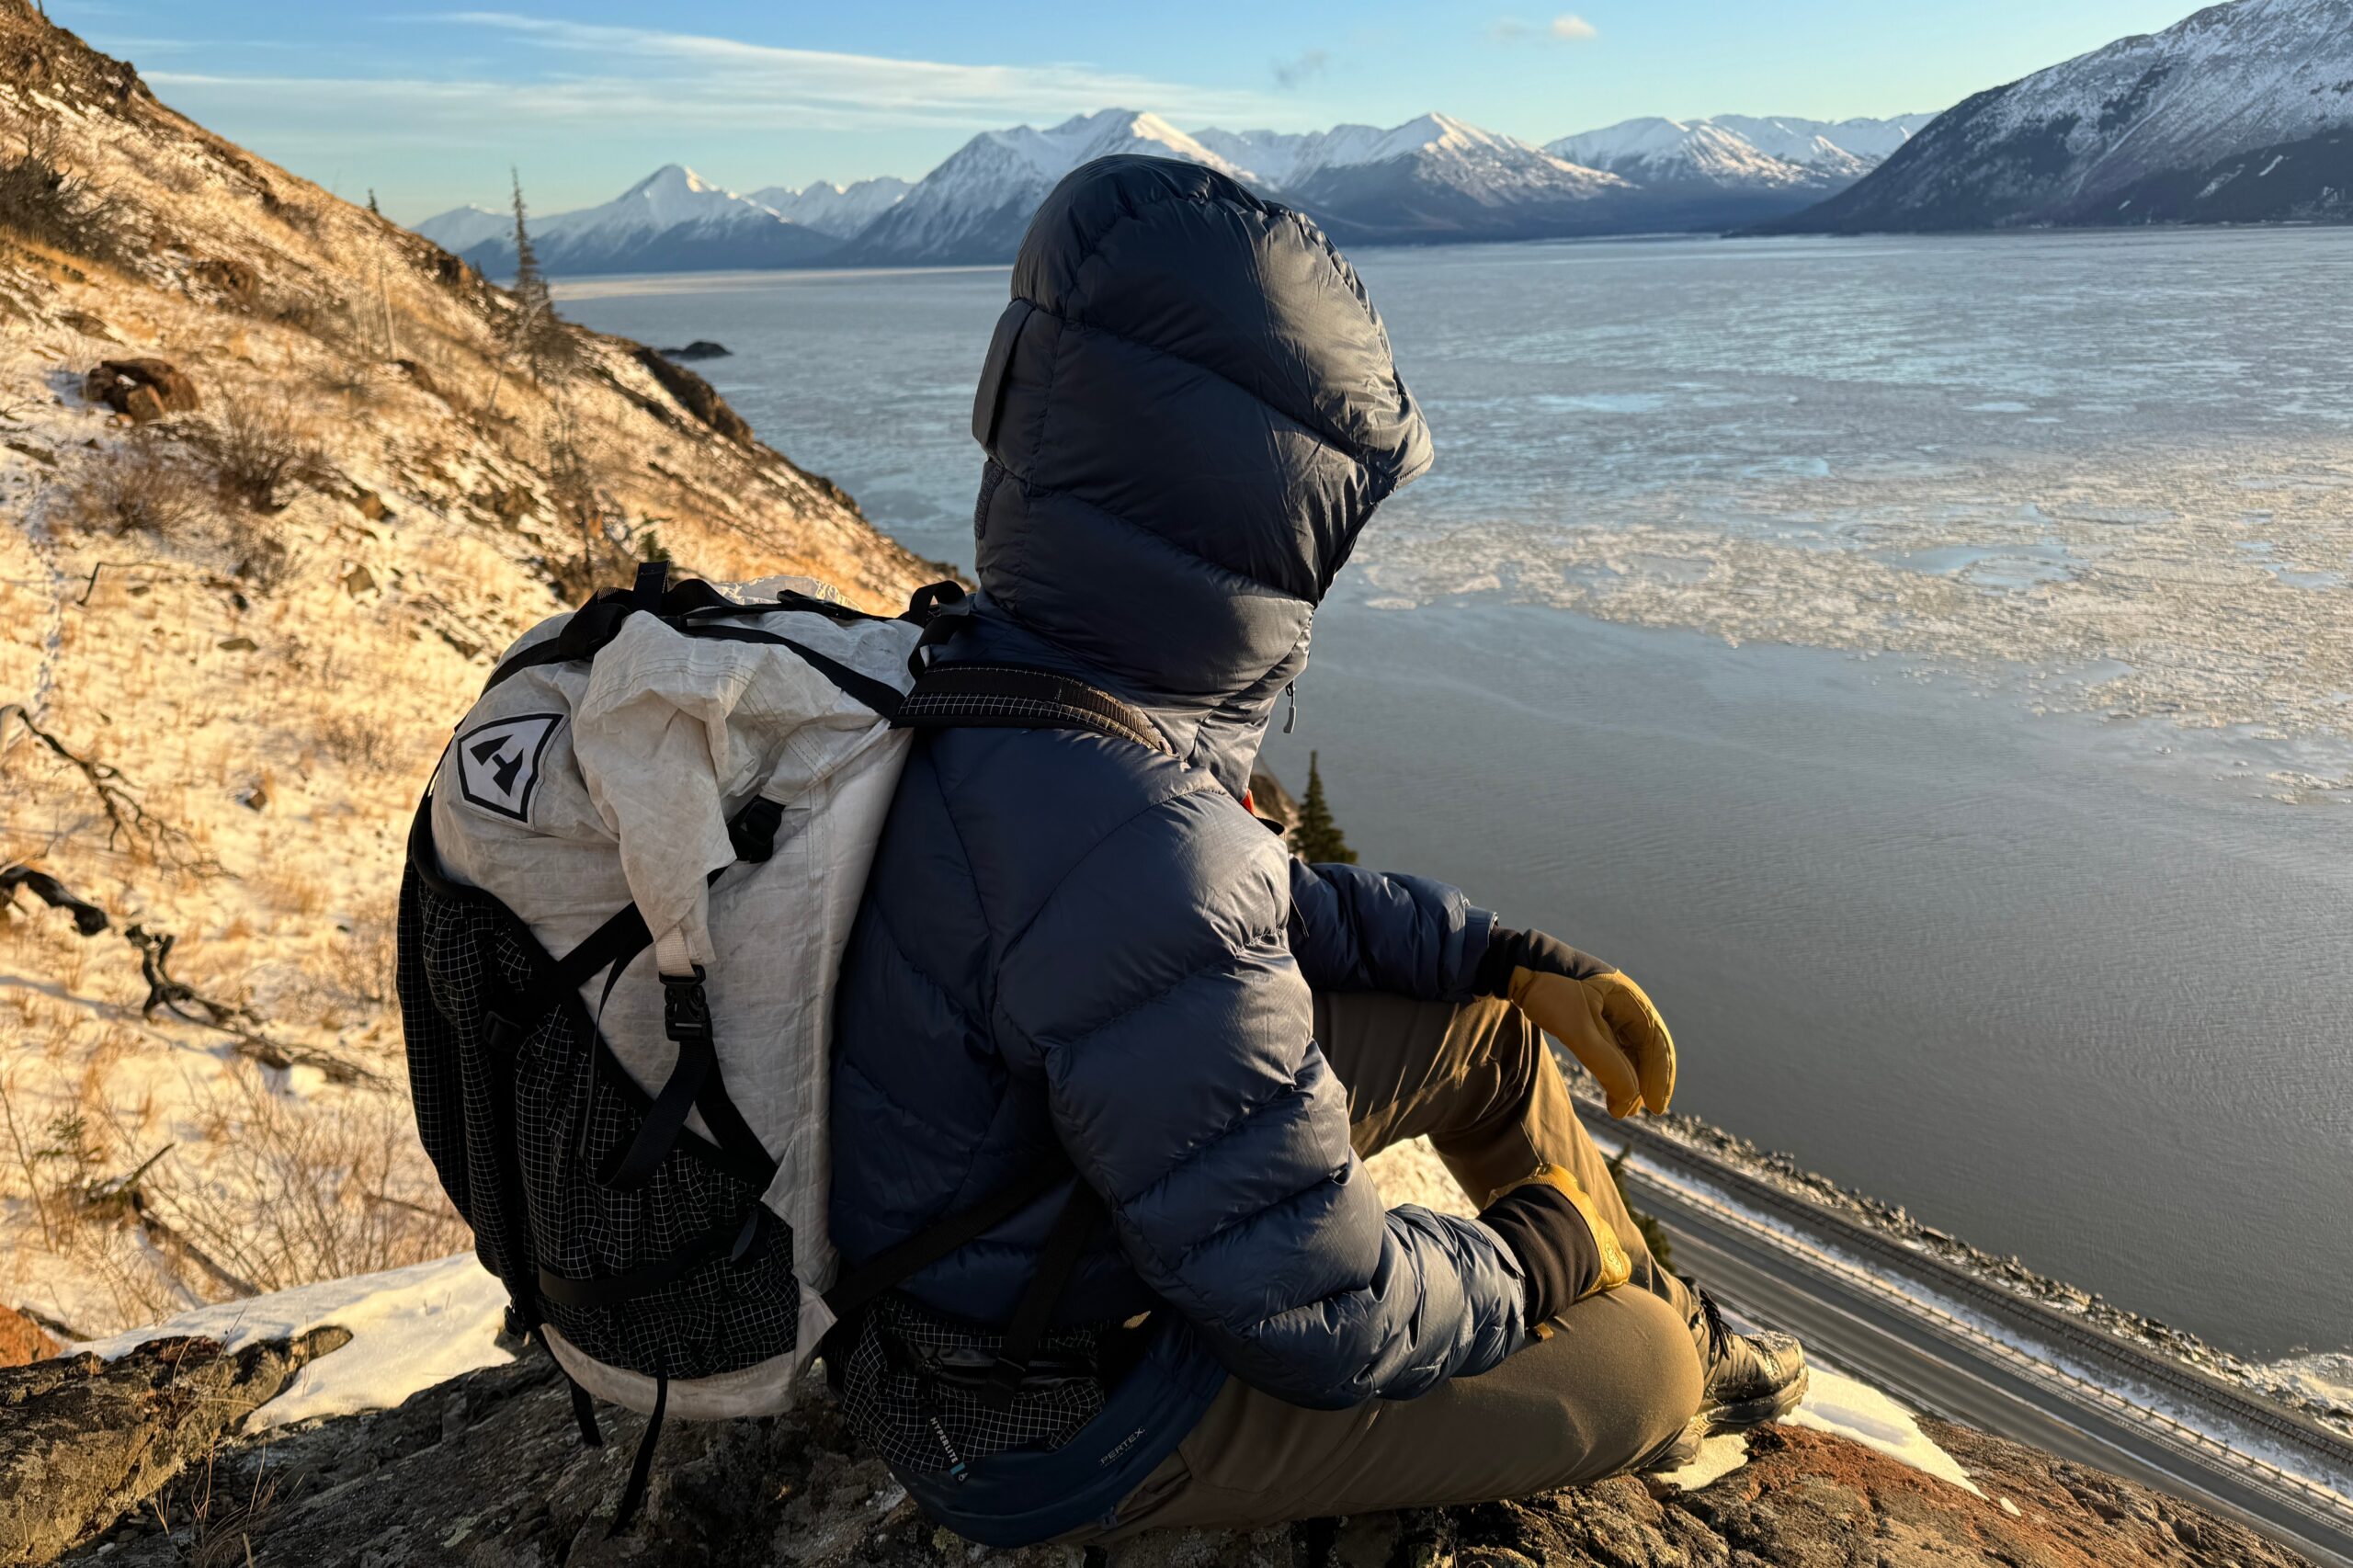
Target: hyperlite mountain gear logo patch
<point>498,763</point>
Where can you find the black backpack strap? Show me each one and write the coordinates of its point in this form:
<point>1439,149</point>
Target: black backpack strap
<point>1080,1213</point>
<point>645,595</point>
<point>1015,696</point>
<point>857,1287</point>
<point>694,609</point>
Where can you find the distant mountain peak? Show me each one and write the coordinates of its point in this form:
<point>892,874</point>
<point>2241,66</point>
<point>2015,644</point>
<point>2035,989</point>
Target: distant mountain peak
<point>2239,113</point>
<point>1740,153</point>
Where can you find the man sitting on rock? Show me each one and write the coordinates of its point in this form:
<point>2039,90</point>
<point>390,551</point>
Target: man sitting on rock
<point>1080,954</point>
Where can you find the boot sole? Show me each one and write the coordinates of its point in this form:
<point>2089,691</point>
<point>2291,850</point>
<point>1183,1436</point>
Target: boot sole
<point>1715,1420</point>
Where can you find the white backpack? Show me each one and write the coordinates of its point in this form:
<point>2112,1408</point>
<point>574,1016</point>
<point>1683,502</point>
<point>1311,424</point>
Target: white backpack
<point>679,790</point>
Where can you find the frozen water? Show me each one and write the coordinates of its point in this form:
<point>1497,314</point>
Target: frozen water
<point>1936,764</point>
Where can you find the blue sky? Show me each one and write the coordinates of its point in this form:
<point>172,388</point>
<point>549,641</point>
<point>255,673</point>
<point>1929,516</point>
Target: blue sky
<point>430,106</point>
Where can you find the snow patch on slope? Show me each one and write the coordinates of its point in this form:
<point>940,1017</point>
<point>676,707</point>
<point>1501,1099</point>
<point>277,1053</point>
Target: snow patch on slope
<point>411,1328</point>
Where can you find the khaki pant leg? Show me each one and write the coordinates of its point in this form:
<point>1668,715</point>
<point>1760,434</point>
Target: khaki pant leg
<point>1480,1082</point>
<point>1612,1387</point>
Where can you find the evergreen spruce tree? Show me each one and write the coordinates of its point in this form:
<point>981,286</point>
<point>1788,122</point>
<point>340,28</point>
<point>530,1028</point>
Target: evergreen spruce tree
<point>534,333</point>
<point>1315,836</point>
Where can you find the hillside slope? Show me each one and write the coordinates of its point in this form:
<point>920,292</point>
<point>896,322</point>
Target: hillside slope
<point>2240,113</point>
<point>238,610</point>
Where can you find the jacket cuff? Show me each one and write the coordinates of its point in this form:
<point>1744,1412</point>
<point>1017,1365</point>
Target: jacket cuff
<point>1491,950</point>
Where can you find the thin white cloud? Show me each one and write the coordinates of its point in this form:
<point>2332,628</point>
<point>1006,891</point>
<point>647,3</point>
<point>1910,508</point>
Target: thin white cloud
<point>1566,28</point>
<point>864,89</point>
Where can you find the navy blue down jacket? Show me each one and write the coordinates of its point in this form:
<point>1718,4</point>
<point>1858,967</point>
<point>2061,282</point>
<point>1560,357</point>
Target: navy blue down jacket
<point>1073,947</point>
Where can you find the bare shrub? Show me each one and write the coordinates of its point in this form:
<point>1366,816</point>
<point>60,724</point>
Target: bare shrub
<point>359,741</point>
<point>263,558</point>
<point>44,201</point>
<point>352,380</point>
<point>303,1191</point>
<point>259,451</point>
<point>141,487</point>
<point>328,318</point>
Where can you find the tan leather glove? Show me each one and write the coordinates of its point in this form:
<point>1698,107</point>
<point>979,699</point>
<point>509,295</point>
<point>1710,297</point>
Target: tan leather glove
<point>1600,1015</point>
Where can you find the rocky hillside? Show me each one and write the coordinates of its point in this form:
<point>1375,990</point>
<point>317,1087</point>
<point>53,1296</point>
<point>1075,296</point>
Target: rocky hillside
<point>488,1470</point>
<point>2239,113</point>
<point>278,480</point>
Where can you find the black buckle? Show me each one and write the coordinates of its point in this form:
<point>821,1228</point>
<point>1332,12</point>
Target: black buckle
<point>946,620</point>
<point>504,1030</point>
<point>685,1009</point>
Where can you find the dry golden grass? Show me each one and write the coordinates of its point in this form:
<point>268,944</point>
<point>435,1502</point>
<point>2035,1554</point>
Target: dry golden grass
<point>343,1188</point>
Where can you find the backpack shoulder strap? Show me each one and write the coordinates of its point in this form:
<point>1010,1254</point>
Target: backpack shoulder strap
<point>1015,696</point>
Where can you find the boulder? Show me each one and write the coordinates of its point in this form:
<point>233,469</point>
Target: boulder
<point>141,389</point>
<point>700,348</point>
<point>488,1470</point>
<point>697,396</point>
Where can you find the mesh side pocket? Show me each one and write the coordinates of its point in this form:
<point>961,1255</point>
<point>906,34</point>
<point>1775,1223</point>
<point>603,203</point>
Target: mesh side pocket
<point>446,976</point>
<point>519,1123</point>
<point>721,1315</point>
<point>921,1424</point>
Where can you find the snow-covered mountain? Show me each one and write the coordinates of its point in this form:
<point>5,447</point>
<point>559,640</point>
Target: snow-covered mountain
<point>840,211</point>
<point>974,207</point>
<point>1734,169</point>
<point>672,220</point>
<point>1739,151</point>
<point>2242,112</point>
<point>462,231</point>
<point>1834,146</point>
<point>1434,177</point>
<point>1438,178</point>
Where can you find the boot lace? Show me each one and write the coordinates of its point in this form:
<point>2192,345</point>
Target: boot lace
<point>1718,1336</point>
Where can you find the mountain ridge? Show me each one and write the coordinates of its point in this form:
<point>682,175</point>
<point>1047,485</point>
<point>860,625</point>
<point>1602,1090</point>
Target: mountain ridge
<point>1432,178</point>
<point>2195,123</point>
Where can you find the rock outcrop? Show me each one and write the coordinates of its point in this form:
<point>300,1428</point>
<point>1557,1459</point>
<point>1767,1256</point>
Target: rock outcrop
<point>488,1470</point>
<point>141,390</point>
<point>84,1442</point>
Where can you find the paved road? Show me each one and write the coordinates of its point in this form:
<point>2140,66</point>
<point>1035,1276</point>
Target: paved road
<point>1944,1366</point>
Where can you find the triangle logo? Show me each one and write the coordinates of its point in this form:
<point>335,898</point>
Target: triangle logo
<point>498,763</point>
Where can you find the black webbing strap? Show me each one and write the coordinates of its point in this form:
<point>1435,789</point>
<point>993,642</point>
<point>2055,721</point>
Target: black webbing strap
<point>729,1238</point>
<point>592,626</point>
<point>859,1286</point>
<point>692,608</point>
<point>1056,1263</point>
<point>658,1129</point>
<point>880,696</point>
<point>1014,697</point>
<point>584,1411</point>
<point>645,594</point>
<point>641,1468</point>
